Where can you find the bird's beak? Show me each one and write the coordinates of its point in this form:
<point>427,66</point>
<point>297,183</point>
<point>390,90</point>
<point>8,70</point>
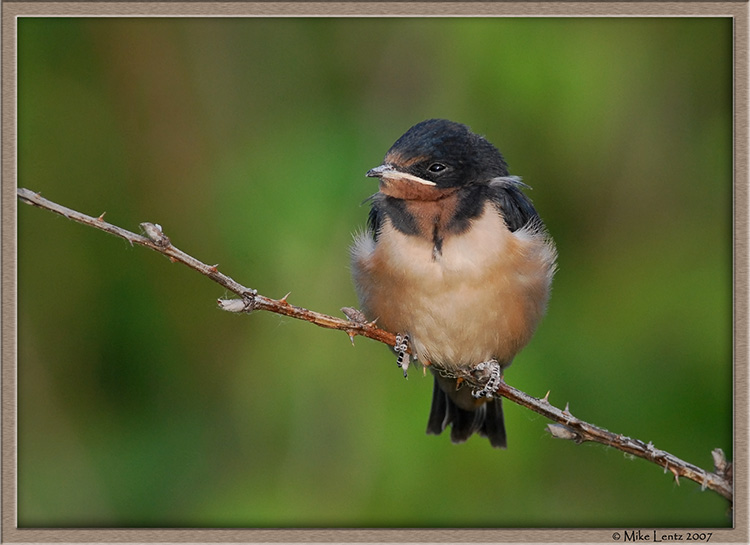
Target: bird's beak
<point>377,172</point>
<point>388,173</point>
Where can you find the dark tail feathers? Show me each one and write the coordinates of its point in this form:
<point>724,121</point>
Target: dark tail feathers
<point>487,420</point>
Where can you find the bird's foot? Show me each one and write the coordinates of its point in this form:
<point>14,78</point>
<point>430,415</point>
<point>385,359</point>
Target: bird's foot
<point>402,348</point>
<point>493,373</point>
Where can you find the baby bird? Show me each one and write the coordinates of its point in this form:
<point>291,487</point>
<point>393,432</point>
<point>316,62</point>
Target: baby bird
<point>456,260</point>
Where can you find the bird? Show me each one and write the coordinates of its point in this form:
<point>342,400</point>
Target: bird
<point>456,260</point>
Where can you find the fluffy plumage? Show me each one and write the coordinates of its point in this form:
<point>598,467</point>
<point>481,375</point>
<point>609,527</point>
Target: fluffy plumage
<point>455,256</point>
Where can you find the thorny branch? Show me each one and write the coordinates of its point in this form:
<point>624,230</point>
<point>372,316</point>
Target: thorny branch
<point>566,425</point>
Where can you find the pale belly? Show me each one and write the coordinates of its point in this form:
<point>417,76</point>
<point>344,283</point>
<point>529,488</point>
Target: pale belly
<point>480,298</point>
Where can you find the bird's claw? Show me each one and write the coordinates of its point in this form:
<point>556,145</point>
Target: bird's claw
<point>492,370</point>
<point>402,347</point>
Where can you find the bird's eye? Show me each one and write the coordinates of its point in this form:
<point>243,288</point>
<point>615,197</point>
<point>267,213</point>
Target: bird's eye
<point>436,167</point>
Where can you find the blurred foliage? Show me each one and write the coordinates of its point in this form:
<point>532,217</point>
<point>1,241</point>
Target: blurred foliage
<point>141,404</point>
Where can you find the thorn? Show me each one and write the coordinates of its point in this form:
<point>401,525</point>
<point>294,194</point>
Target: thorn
<point>546,397</point>
<point>172,259</point>
<point>676,475</point>
<point>566,410</point>
<point>351,336</point>
<point>459,380</point>
<point>283,300</point>
<point>214,268</point>
<point>101,218</point>
<point>424,370</point>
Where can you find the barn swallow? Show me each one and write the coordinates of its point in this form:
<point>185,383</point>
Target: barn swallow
<point>455,259</point>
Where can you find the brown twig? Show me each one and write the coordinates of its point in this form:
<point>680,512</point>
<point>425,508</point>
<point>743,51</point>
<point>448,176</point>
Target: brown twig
<point>566,425</point>
<point>251,299</point>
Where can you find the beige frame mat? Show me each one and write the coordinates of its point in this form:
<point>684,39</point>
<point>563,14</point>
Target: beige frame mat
<point>12,9</point>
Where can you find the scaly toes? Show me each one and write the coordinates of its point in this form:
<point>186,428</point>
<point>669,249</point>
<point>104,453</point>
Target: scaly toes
<point>402,347</point>
<point>492,370</point>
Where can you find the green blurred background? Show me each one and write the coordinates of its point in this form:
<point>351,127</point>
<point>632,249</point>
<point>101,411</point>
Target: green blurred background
<point>142,404</point>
